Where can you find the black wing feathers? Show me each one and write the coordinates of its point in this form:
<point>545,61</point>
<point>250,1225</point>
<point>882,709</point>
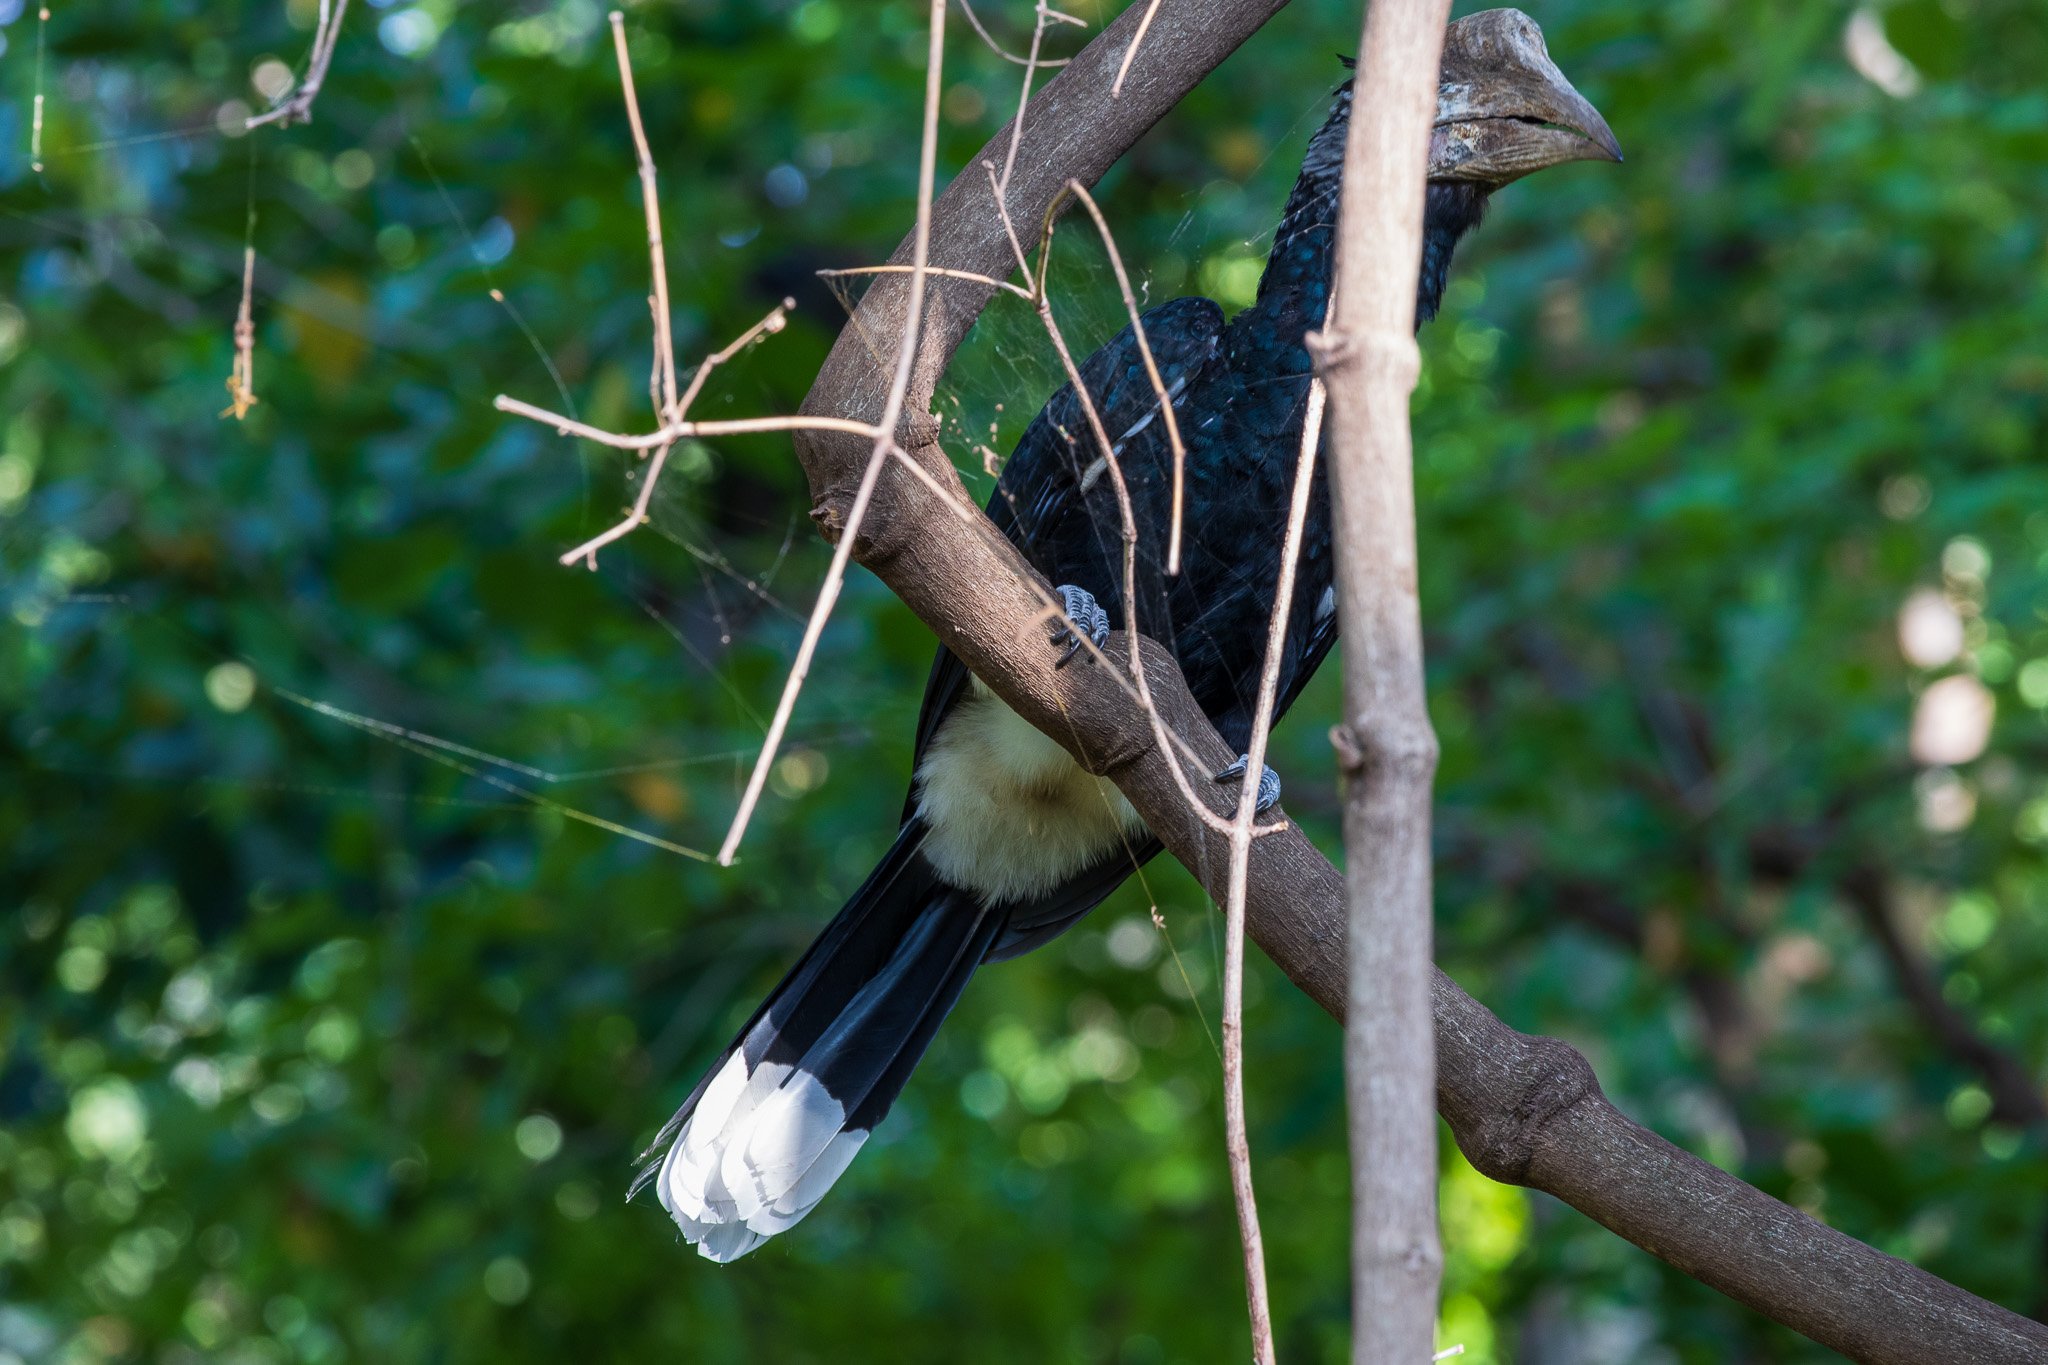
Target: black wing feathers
<point>1070,532</point>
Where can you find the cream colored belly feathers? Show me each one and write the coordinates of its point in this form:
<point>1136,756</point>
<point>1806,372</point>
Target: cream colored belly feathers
<point>1010,815</point>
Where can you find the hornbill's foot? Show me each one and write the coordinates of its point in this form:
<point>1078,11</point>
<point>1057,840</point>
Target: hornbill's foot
<point>1083,611</point>
<point>1269,782</point>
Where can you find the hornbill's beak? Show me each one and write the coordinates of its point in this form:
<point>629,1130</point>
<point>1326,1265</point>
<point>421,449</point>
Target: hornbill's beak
<point>1504,109</point>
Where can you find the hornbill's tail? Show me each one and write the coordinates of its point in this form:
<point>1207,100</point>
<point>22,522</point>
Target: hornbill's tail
<point>784,1110</point>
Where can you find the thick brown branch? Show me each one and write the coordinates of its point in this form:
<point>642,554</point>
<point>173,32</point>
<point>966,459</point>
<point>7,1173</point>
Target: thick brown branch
<point>1524,1109</point>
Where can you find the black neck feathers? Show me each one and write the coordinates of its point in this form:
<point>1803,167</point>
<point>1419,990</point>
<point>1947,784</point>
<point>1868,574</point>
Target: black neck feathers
<point>1304,246</point>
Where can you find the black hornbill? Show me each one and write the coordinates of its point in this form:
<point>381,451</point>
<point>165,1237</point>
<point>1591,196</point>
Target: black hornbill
<point>1005,842</point>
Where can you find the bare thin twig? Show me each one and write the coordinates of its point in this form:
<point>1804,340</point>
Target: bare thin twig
<point>1035,290</point>
<point>957,505</point>
<point>298,106</point>
<point>940,271</point>
<point>892,412</point>
<point>665,406</point>
<point>1045,14</point>
<point>1237,1139</point>
<point>774,321</point>
<point>1236,1136</point>
<point>989,41</point>
<point>1116,89</point>
<point>675,431</point>
<point>734,426</point>
<point>1002,182</point>
<point>662,381</point>
<point>1180,450</point>
<point>1127,525</point>
<point>35,125</point>
<point>995,185</point>
<point>242,382</point>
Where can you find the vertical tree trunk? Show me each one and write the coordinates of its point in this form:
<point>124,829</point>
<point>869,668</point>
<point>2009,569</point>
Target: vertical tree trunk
<point>1385,745</point>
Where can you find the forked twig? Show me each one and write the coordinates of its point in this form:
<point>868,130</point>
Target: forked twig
<point>662,382</point>
<point>670,408</point>
<point>298,106</point>
<point>730,426</point>
<point>665,370</point>
<point>988,40</point>
<point>1034,284</point>
<point>920,270</point>
<point>1045,14</point>
<point>1240,830</point>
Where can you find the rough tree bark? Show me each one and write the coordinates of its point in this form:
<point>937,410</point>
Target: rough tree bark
<point>1386,749</point>
<point>1525,1110</point>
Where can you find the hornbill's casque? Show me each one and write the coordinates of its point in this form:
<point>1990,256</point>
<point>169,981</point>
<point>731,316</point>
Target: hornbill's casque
<point>1005,841</point>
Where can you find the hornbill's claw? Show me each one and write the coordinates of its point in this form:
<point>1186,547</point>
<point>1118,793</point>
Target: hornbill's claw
<point>1084,611</point>
<point>1269,782</point>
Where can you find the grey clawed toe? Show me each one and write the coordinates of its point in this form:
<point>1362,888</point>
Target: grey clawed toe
<point>1084,612</point>
<point>1269,781</point>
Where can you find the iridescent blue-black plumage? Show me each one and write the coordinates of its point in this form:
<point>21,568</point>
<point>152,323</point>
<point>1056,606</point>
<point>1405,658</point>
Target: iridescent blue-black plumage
<point>1239,391</point>
<point>1240,394</point>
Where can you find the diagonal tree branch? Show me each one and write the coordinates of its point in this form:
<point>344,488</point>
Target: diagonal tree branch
<point>2015,1098</point>
<point>1524,1109</point>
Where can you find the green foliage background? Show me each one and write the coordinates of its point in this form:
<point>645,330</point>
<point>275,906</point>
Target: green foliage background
<point>319,1042</point>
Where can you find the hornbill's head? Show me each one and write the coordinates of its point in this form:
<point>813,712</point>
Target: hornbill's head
<point>1503,109</point>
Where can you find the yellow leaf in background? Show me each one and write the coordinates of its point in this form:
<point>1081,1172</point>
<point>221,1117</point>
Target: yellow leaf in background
<point>1238,152</point>
<point>1485,1225</point>
<point>660,798</point>
<point>328,326</point>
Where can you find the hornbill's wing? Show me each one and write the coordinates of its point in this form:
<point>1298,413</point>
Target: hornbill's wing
<point>1322,635</point>
<point>1048,476</point>
<point>1041,503</point>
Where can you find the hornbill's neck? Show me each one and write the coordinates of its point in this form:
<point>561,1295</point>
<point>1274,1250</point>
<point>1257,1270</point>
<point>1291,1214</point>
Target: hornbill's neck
<point>1304,254</point>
